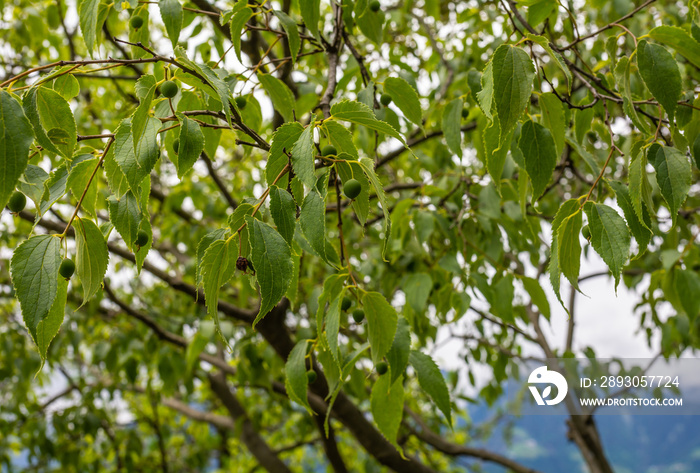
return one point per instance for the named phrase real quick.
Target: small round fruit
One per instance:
(382, 367)
(17, 202)
(385, 99)
(136, 22)
(141, 238)
(176, 145)
(241, 102)
(375, 6)
(345, 305)
(168, 89)
(465, 112)
(586, 231)
(311, 376)
(358, 315)
(67, 268)
(329, 150)
(352, 188)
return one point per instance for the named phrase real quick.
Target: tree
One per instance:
(233, 308)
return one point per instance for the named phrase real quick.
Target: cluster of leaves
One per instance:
(230, 209)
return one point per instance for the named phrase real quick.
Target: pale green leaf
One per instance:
(237, 23)
(661, 75)
(386, 404)
(382, 321)
(282, 98)
(283, 210)
(406, 98)
(432, 382)
(610, 236)
(313, 225)
(556, 57)
(553, 119)
(290, 27)
(451, 120)
(217, 267)
(91, 256)
(674, 175)
(191, 144)
(310, 12)
(87, 11)
(272, 260)
(171, 14)
(539, 150)
(295, 381)
(639, 227)
(417, 288)
(67, 86)
(678, 39)
(397, 356)
(303, 157)
(361, 114)
(283, 140)
(538, 296)
(125, 215)
(49, 326)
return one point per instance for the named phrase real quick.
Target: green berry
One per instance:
(241, 102)
(375, 6)
(329, 150)
(176, 145)
(358, 315)
(136, 22)
(385, 99)
(311, 376)
(382, 367)
(67, 268)
(586, 231)
(352, 188)
(168, 89)
(17, 202)
(141, 238)
(345, 305)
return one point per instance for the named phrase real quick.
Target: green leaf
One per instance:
(687, 285)
(237, 23)
(538, 296)
(283, 140)
(272, 260)
(87, 11)
(311, 13)
(49, 326)
(125, 215)
(513, 73)
(217, 267)
(556, 57)
(303, 157)
(386, 404)
(661, 75)
(57, 119)
(54, 188)
(397, 356)
(147, 150)
(191, 145)
(417, 288)
(639, 228)
(432, 382)
(282, 98)
(29, 103)
(678, 39)
(295, 380)
(78, 177)
(352, 170)
(368, 166)
(341, 138)
(640, 188)
(31, 183)
(568, 209)
(125, 156)
(674, 175)
(283, 210)
(554, 119)
(495, 154)
(290, 26)
(451, 120)
(313, 225)
(370, 23)
(569, 246)
(382, 321)
(539, 150)
(361, 114)
(202, 247)
(622, 77)
(34, 270)
(333, 326)
(609, 236)
(145, 90)
(67, 86)
(406, 98)
(485, 95)
(91, 256)
(17, 137)
(171, 13)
